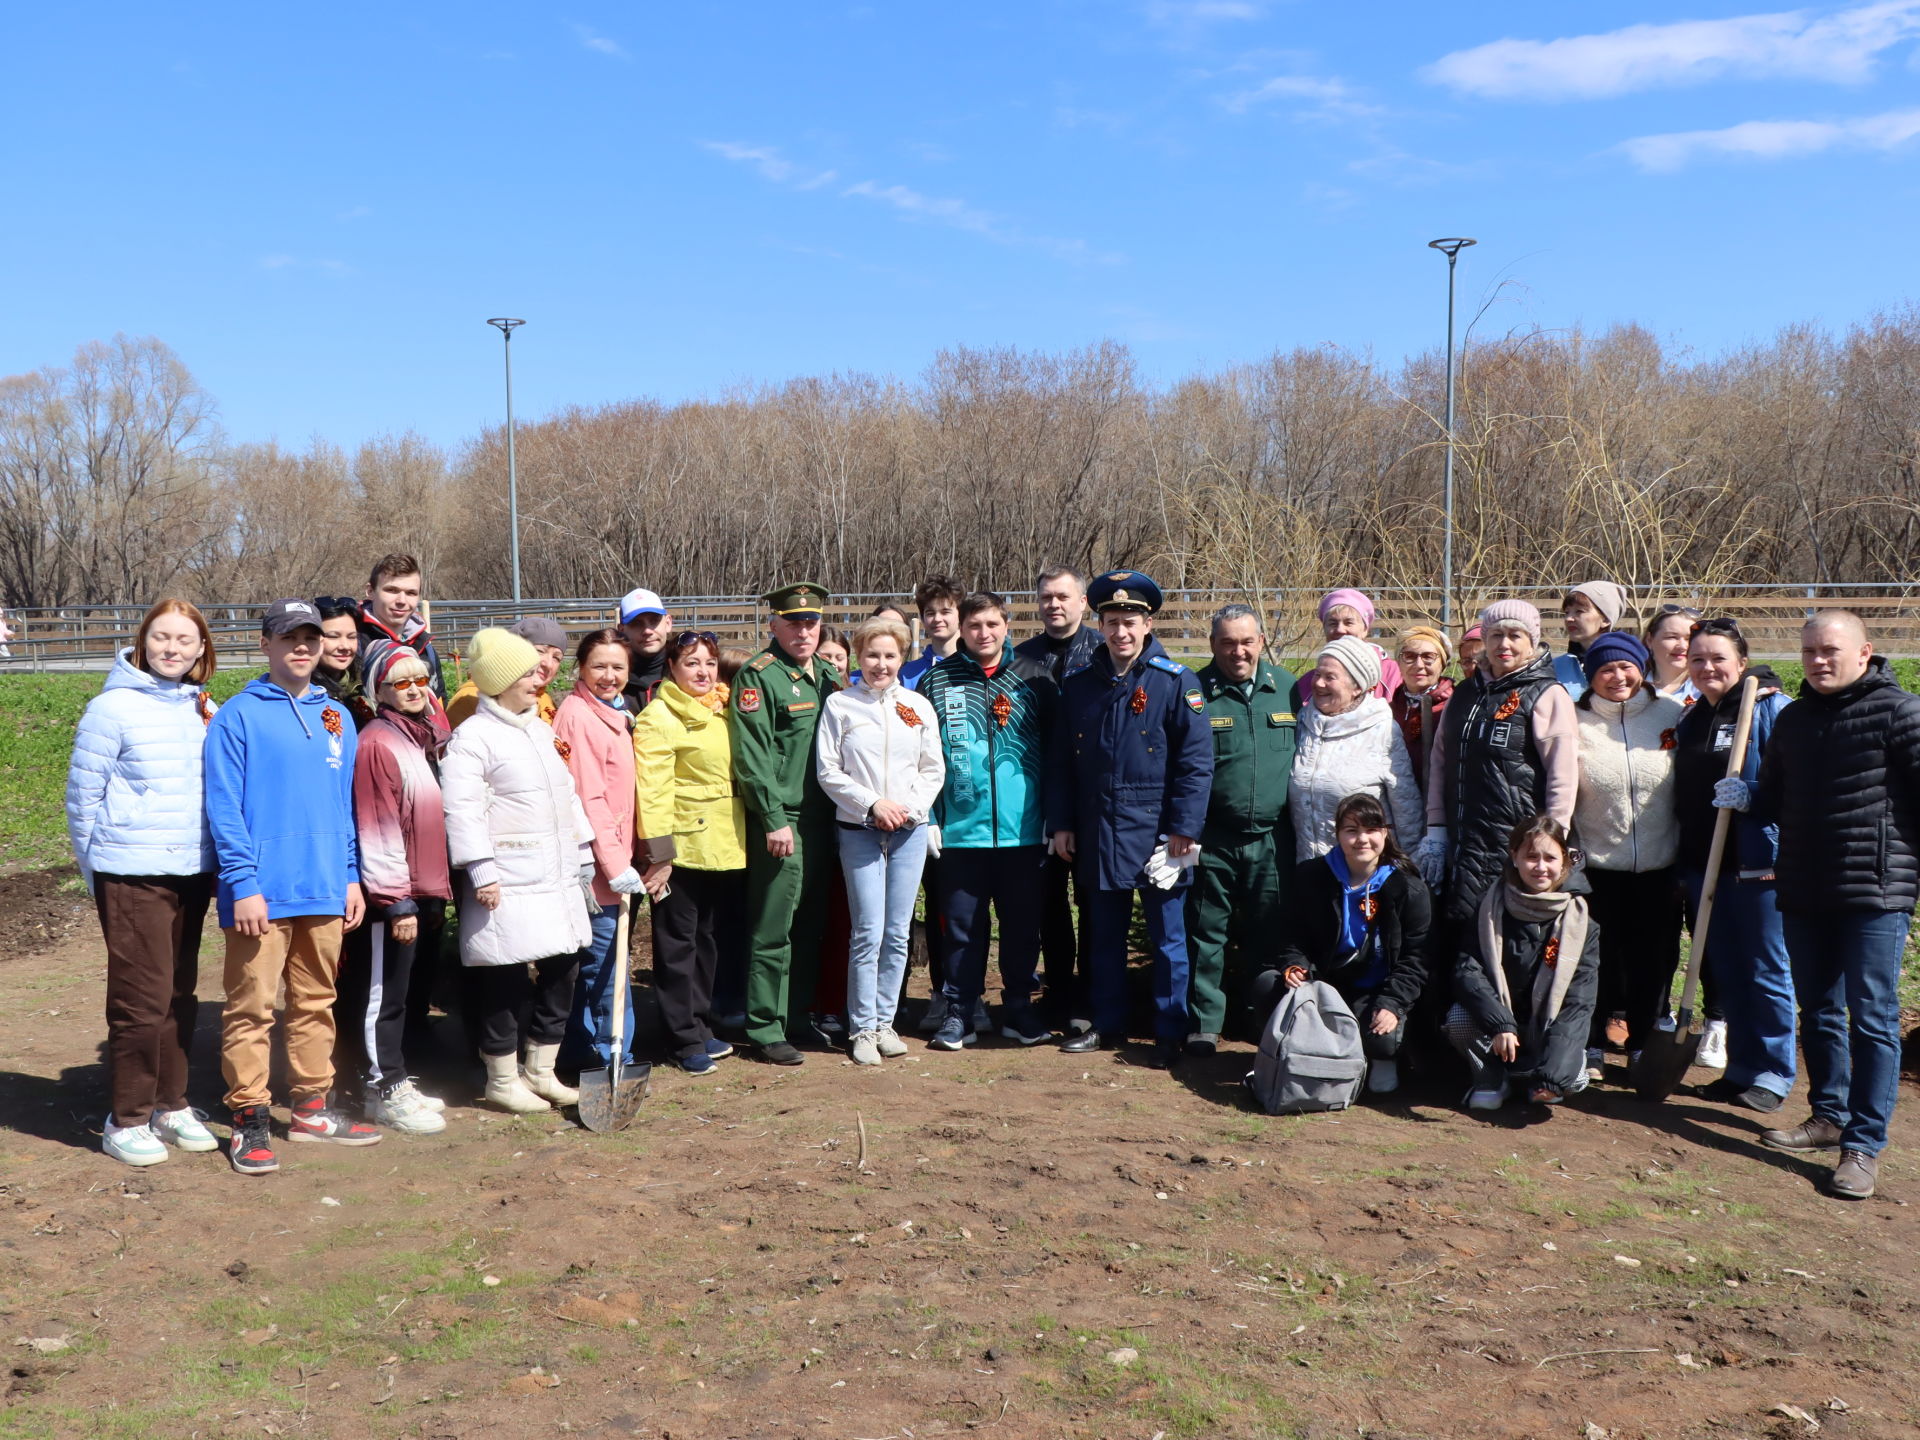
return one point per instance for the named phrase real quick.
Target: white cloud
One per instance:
(1774, 140)
(600, 44)
(911, 204)
(1321, 97)
(1838, 46)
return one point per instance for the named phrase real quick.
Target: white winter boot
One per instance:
(505, 1089)
(540, 1077)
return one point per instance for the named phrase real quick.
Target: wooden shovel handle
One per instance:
(1716, 853)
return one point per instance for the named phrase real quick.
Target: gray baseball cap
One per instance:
(283, 617)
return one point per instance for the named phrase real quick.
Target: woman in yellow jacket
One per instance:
(693, 832)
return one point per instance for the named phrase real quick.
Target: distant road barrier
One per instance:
(88, 637)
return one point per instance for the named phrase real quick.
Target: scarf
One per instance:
(519, 722)
(1566, 943)
(428, 729)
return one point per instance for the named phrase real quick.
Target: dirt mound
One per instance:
(41, 908)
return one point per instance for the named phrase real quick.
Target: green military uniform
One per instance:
(776, 705)
(1246, 850)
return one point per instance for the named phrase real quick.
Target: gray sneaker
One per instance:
(890, 1045)
(1816, 1134)
(1854, 1177)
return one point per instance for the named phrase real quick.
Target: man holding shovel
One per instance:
(1842, 779)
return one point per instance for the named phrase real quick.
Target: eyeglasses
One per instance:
(684, 638)
(402, 686)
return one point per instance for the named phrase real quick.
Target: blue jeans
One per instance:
(883, 878)
(1108, 912)
(1011, 880)
(1846, 968)
(1753, 980)
(590, 1024)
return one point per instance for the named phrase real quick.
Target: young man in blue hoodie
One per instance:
(279, 785)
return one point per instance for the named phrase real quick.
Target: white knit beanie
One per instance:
(1357, 658)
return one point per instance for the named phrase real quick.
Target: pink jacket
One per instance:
(598, 748)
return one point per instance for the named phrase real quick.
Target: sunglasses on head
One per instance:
(684, 638)
(1720, 625)
(324, 603)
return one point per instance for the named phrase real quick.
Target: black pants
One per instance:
(937, 937)
(969, 883)
(524, 1003)
(687, 930)
(152, 929)
(1639, 916)
(373, 996)
(1063, 944)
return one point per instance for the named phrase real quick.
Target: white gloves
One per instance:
(1164, 871)
(1430, 857)
(627, 882)
(933, 842)
(1732, 793)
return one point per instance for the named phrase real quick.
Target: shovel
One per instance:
(1669, 1052)
(610, 1098)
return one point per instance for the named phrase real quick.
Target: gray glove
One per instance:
(627, 882)
(1430, 857)
(1732, 793)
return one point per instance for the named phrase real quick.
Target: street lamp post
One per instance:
(1450, 248)
(506, 328)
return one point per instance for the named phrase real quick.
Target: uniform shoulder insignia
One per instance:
(1161, 662)
(761, 661)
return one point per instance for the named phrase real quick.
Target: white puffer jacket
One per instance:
(513, 819)
(136, 803)
(1624, 814)
(1359, 750)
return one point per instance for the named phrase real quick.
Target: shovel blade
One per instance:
(607, 1103)
(1663, 1063)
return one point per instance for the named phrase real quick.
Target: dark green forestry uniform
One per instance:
(775, 711)
(1246, 854)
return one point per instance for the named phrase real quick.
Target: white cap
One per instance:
(640, 602)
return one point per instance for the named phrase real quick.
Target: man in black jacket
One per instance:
(1842, 778)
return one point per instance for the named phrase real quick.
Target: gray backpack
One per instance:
(1310, 1056)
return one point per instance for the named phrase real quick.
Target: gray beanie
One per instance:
(1358, 658)
(540, 630)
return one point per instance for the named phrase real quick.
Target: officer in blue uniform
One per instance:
(1128, 779)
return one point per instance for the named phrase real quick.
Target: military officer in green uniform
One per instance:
(1246, 849)
(792, 857)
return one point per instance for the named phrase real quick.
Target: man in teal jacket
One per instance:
(1246, 849)
(995, 712)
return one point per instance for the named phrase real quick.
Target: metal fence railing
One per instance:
(88, 637)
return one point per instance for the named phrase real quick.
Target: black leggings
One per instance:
(1639, 917)
(517, 1002)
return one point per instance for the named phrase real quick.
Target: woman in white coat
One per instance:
(515, 825)
(136, 812)
(1349, 744)
(879, 760)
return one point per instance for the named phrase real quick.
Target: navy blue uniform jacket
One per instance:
(1122, 780)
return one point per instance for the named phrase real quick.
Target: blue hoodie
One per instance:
(280, 801)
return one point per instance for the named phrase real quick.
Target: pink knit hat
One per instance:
(1512, 612)
(1353, 599)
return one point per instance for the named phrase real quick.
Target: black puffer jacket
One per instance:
(1495, 776)
(1841, 775)
(1316, 909)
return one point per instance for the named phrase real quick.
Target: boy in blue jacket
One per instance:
(279, 785)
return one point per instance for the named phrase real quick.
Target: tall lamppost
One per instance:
(1450, 248)
(506, 328)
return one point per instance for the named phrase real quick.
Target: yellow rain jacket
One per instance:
(683, 771)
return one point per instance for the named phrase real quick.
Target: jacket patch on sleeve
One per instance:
(749, 700)
(1195, 702)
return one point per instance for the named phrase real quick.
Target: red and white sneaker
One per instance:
(313, 1121)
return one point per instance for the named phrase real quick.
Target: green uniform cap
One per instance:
(798, 597)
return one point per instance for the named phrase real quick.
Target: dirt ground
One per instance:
(1039, 1245)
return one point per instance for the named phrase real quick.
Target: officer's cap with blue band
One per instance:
(1125, 590)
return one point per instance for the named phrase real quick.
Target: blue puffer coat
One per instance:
(135, 803)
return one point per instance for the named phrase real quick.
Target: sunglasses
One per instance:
(324, 603)
(418, 683)
(1720, 625)
(684, 638)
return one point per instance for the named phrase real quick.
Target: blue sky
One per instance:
(318, 207)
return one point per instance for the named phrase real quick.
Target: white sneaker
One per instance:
(888, 1043)
(1488, 1099)
(1383, 1077)
(432, 1102)
(865, 1049)
(183, 1129)
(936, 1015)
(132, 1144)
(1713, 1046)
(403, 1109)
(1596, 1064)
